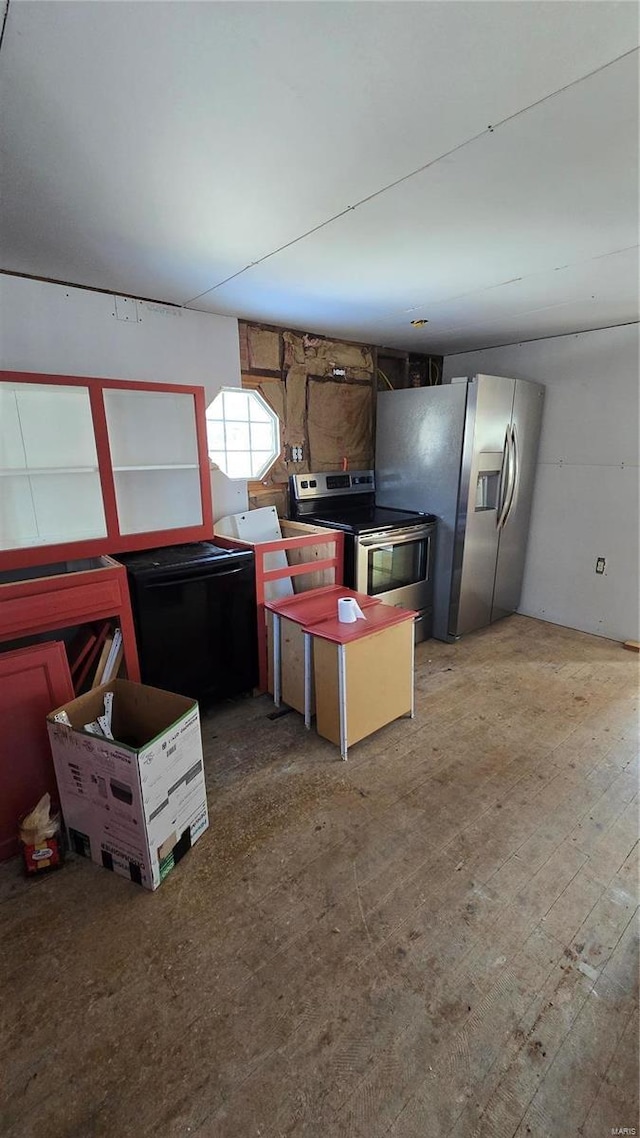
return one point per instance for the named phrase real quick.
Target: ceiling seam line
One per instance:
(433, 305)
(273, 252)
(330, 220)
(453, 329)
(89, 288)
(535, 339)
(490, 129)
(4, 22)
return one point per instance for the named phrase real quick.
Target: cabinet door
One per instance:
(154, 452)
(50, 491)
(33, 682)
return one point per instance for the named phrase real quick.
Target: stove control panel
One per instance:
(327, 484)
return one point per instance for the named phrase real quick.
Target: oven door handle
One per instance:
(378, 542)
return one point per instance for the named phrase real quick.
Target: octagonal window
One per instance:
(243, 433)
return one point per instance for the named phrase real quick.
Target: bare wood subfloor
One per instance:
(437, 938)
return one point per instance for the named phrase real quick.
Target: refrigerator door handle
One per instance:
(515, 473)
(505, 477)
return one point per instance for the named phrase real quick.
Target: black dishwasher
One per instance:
(194, 608)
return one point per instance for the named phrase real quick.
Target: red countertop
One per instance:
(318, 604)
(378, 617)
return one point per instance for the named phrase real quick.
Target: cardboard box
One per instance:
(135, 804)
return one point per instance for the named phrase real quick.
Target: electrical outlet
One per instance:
(600, 565)
(297, 453)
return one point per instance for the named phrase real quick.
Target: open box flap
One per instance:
(140, 712)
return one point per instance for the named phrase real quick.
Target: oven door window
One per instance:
(392, 566)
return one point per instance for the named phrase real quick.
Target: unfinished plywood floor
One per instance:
(436, 938)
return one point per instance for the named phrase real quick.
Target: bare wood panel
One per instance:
(299, 529)
(292, 669)
(263, 349)
(291, 663)
(268, 496)
(325, 661)
(313, 553)
(378, 680)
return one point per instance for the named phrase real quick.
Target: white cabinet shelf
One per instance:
(16, 472)
(166, 466)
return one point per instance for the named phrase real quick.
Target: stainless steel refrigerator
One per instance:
(465, 451)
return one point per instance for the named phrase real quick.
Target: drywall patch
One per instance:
(125, 308)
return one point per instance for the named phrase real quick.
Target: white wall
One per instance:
(586, 495)
(72, 331)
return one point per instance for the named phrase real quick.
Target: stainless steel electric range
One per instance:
(388, 552)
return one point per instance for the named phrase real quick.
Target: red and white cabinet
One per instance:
(90, 466)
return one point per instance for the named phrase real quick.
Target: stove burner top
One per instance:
(362, 519)
(347, 501)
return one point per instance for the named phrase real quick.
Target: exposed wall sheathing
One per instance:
(260, 348)
(330, 416)
(339, 424)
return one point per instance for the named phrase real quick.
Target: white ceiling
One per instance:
(161, 149)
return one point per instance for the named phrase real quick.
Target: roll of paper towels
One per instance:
(349, 611)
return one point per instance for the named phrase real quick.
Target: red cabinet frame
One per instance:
(63, 600)
(114, 542)
(334, 562)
